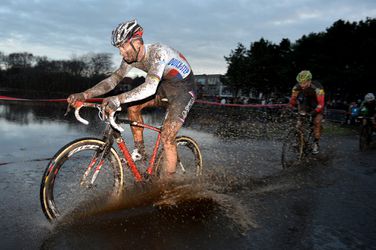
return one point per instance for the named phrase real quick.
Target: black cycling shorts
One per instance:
(177, 96)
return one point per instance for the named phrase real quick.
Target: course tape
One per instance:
(242, 105)
(7, 98)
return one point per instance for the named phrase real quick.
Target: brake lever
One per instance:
(69, 108)
(78, 117)
(111, 119)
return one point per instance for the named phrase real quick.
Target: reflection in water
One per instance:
(25, 123)
(223, 123)
(52, 114)
(27, 112)
(24, 113)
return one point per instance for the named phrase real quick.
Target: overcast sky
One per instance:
(203, 30)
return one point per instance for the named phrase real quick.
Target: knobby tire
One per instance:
(364, 138)
(293, 149)
(189, 158)
(61, 190)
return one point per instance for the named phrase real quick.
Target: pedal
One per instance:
(136, 156)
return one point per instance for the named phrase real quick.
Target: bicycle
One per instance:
(298, 142)
(366, 130)
(88, 166)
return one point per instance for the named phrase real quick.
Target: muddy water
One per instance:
(184, 214)
(243, 201)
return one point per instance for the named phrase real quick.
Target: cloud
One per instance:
(204, 31)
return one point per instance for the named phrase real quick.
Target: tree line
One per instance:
(24, 71)
(342, 58)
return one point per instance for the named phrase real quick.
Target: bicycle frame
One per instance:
(111, 133)
(131, 163)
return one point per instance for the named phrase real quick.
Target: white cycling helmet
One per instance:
(369, 97)
(125, 31)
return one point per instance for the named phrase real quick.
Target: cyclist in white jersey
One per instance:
(169, 83)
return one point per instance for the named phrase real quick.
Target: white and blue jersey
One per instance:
(164, 62)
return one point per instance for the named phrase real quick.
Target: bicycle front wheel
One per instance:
(78, 174)
(189, 164)
(292, 149)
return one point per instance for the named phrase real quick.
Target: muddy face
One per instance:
(128, 52)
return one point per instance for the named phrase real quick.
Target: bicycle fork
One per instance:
(84, 181)
(301, 140)
(301, 145)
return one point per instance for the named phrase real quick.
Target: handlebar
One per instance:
(110, 118)
(296, 112)
(365, 117)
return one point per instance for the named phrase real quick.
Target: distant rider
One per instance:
(368, 107)
(309, 95)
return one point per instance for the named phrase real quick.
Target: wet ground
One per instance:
(245, 201)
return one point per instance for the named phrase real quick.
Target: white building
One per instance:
(211, 86)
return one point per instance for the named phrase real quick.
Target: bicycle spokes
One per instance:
(180, 164)
(189, 161)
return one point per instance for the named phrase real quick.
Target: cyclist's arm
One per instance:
(294, 96)
(109, 83)
(320, 96)
(148, 88)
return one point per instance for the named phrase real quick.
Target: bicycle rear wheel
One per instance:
(189, 163)
(70, 181)
(292, 149)
(364, 138)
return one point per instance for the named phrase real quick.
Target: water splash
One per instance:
(228, 205)
(183, 200)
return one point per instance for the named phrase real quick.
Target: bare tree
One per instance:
(2, 61)
(20, 60)
(97, 64)
(101, 63)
